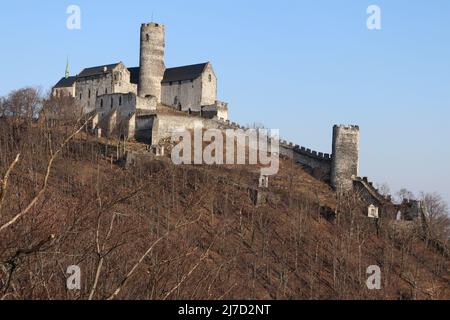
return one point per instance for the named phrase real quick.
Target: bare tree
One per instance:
(384, 189)
(437, 215)
(61, 109)
(23, 103)
(405, 194)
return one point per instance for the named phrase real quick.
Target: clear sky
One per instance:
(300, 66)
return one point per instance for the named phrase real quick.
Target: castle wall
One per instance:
(209, 86)
(191, 94)
(124, 107)
(121, 80)
(183, 95)
(143, 129)
(125, 104)
(316, 163)
(64, 91)
(218, 110)
(88, 89)
(165, 124)
(345, 165)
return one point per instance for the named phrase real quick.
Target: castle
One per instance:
(148, 102)
(125, 100)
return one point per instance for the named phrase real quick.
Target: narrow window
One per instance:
(80, 96)
(101, 103)
(106, 91)
(89, 94)
(112, 102)
(210, 78)
(148, 37)
(120, 100)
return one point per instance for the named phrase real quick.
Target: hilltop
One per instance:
(154, 230)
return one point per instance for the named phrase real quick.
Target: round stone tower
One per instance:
(345, 164)
(151, 64)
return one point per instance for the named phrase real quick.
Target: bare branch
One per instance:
(47, 175)
(4, 181)
(150, 249)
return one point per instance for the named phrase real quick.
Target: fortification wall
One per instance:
(88, 89)
(165, 124)
(318, 163)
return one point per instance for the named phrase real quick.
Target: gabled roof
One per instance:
(95, 71)
(190, 72)
(183, 73)
(66, 82)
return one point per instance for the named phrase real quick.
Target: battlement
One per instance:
(316, 155)
(305, 151)
(152, 25)
(347, 127)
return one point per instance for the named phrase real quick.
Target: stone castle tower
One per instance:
(345, 163)
(151, 64)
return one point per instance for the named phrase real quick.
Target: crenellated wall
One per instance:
(317, 163)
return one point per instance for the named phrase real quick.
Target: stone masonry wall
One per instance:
(151, 64)
(345, 165)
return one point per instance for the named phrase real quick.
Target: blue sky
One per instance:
(300, 66)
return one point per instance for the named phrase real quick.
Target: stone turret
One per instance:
(152, 65)
(345, 163)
